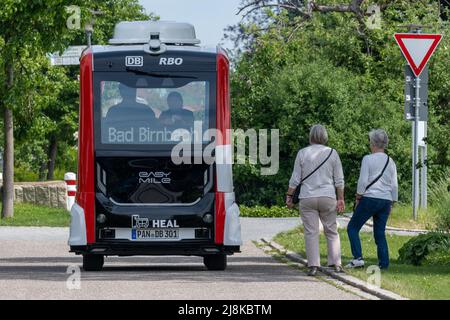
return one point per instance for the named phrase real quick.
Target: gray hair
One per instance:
(378, 138)
(318, 134)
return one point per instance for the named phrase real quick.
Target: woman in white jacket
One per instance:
(377, 191)
(318, 197)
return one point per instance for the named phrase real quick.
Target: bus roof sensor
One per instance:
(142, 32)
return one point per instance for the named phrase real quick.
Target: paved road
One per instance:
(34, 262)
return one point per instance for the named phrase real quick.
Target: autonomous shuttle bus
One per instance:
(154, 120)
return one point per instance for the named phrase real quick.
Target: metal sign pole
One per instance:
(413, 134)
(416, 151)
(417, 49)
(424, 173)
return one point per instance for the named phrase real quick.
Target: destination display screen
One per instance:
(152, 109)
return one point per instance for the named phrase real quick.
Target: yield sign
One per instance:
(417, 48)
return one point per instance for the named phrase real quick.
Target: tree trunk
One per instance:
(8, 165)
(43, 170)
(53, 148)
(8, 153)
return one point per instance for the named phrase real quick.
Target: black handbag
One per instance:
(375, 180)
(296, 194)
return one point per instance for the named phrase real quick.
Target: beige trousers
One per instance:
(311, 210)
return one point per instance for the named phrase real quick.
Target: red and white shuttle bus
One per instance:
(133, 196)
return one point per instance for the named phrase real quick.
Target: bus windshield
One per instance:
(138, 109)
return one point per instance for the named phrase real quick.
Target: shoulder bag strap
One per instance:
(323, 162)
(380, 175)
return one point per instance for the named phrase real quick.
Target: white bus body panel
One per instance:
(232, 232)
(224, 169)
(77, 236)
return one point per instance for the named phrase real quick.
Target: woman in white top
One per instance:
(318, 197)
(377, 191)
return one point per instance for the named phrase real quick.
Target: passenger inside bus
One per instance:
(129, 112)
(176, 116)
(124, 120)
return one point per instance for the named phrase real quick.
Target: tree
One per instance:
(51, 114)
(260, 16)
(28, 29)
(300, 71)
(45, 133)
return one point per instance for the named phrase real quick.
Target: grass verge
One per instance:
(30, 215)
(423, 282)
(401, 217)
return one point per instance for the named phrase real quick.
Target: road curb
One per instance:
(345, 278)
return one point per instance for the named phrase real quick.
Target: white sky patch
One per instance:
(210, 17)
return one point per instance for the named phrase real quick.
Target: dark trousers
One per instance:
(367, 208)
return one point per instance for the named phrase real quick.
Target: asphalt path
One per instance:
(35, 264)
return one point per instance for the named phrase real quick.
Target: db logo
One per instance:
(134, 61)
(170, 61)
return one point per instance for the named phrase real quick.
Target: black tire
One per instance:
(215, 262)
(93, 262)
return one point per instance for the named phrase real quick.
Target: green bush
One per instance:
(66, 161)
(417, 249)
(443, 213)
(22, 174)
(440, 199)
(439, 188)
(329, 74)
(440, 258)
(265, 212)
(253, 189)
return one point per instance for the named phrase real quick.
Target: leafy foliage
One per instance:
(443, 211)
(45, 98)
(440, 199)
(264, 212)
(416, 250)
(438, 258)
(323, 71)
(28, 30)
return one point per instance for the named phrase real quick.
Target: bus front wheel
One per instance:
(215, 262)
(93, 262)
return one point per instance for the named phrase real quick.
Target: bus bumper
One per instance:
(161, 249)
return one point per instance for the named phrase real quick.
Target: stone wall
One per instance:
(50, 194)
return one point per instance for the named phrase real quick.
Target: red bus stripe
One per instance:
(86, 196)
(220, 217)
(223, 123)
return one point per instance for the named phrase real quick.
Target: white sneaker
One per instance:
(355, 263)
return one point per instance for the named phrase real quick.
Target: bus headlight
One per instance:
(101, 218)
(208, 218)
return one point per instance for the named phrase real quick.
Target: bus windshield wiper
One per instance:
(157, 75)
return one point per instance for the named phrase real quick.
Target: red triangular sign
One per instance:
(417, 48)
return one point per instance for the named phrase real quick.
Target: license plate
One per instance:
(155, 234)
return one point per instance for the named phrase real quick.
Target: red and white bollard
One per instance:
(71, 182)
